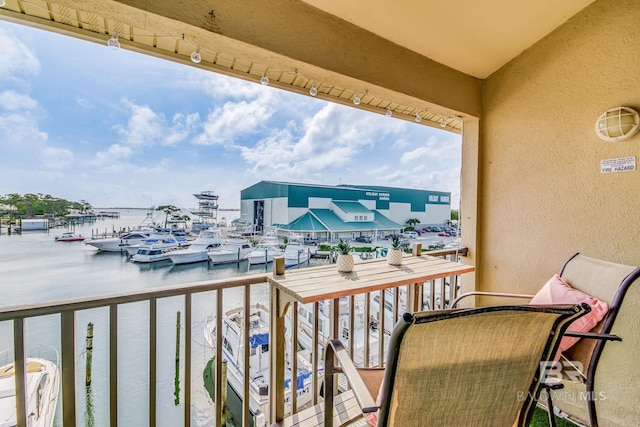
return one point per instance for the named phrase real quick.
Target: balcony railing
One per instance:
(358, 313)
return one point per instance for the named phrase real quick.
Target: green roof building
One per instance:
(343, 211)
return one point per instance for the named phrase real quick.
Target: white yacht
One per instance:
(267, 248)
(119, 243)
(295, 252)
(43, 387)
(233, 351)
(198, 250)
(233, 250)
(159, 241)
(157, 248)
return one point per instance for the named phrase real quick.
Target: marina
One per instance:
(36, 268)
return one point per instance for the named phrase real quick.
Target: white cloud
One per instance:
(19, 132)
(83, 103)
(226, 124)
(17, 60)
(13, 101)
(334, 138)
(183, 126)
(57, 158)
(219, 86)
(146, 128)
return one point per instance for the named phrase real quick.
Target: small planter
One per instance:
(394, 256)
(344, 263)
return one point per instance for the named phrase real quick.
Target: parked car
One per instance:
(363, 239)
(405, 243)
(436, 245)
(310, 241)
(410, 234)
(444, 234)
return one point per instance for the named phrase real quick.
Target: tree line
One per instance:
(30, 205)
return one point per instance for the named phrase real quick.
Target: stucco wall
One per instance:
(542, 196)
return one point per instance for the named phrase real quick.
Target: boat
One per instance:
(159, 241)
(206, 195)
(198, 250)
(152, 253)
(119, 243)
(295, 252)
(42, 387)
(267, 248)
(157, 248)
(69, 237)
(233, 250)
(360, 327)
(233, 352)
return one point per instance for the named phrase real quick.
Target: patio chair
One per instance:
(597, 385)
(465, 367)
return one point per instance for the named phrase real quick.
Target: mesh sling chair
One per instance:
(597, 385)
(465, 367)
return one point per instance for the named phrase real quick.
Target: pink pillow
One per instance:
(557, 291)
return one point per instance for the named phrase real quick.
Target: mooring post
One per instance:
(223, 380)
(89, 346)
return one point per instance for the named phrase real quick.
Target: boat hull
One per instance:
(117, 244)
(226, 257)
(43, 387)
(295, 259)
(188, 257)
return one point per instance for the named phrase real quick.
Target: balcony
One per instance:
(356, 317)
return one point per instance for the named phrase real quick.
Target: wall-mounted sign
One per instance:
(622, 164)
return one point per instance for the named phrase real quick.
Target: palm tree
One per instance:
(413, 221)
(168, 210)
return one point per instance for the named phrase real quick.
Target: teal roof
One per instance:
(306, 222)
(351, 207)
(320, 220)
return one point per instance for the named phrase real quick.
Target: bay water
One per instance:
(34, 268)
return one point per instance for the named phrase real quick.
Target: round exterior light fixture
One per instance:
(618, 124)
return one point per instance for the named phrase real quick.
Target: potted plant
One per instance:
(345, 259)
(394, 254)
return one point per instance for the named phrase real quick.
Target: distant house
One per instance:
(343, 211)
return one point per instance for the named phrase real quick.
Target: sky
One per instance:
(81, 121)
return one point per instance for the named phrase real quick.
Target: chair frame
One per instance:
(602, 337)
(336, 351)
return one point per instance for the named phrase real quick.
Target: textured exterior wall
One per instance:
(541, 194)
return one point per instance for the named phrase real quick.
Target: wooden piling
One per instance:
(89, 347)
(223, 419)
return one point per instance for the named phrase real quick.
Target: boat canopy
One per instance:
(299, 380)
(259, 339)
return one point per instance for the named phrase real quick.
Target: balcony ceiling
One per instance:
(284, 39)
(476, 37)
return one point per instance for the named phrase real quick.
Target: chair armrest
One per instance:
(489, 294)
(346, 366)
(593, 336)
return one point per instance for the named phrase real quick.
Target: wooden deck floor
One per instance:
(347, 412)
